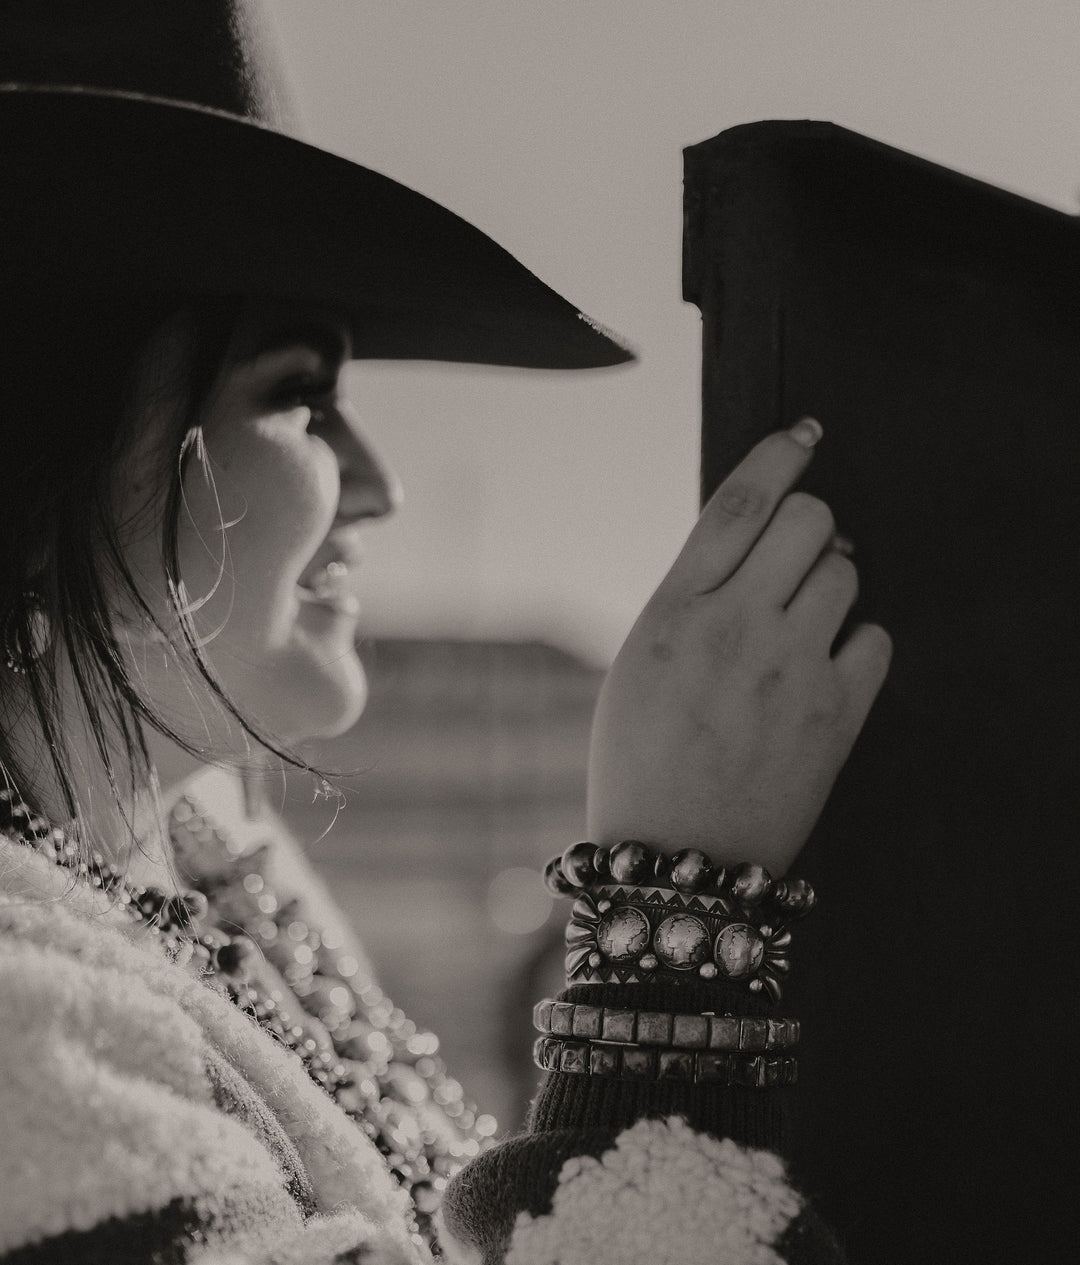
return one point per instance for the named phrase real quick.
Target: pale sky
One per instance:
(544, 504)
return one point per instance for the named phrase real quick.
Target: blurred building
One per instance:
(466, 772)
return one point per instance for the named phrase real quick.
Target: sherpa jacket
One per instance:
(145, 1119)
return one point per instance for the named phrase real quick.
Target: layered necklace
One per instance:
(317, 998)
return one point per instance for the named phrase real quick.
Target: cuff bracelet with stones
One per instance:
(641, 915)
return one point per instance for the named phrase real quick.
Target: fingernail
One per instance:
(806, 431)
(843, 545)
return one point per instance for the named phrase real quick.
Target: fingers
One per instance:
(741, 507)
(862, 663)
(825, 597)
(795, 538)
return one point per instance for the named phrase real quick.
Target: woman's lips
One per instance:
(331, 586)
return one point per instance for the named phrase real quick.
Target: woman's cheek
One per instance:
(293, 482)
(292, 500)
(326, 479)
(279, 493)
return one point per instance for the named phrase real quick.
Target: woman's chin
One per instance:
(317, 697)
(336, 721)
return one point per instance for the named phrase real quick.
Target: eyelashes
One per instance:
(303, 388)
(317, 395)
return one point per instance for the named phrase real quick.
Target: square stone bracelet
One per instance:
(656, 1028)
(640, 1063)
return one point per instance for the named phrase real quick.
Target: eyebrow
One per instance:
(326, 339)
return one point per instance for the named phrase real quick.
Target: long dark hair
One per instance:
(68, 416)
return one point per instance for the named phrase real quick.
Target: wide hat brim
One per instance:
(111, 195)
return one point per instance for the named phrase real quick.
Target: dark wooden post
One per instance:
(932, 323)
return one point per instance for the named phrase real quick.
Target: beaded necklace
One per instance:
(351, 1039)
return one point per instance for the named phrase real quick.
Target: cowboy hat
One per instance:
(144, 150)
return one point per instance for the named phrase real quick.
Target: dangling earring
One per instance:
(17, 657)
(12, 657)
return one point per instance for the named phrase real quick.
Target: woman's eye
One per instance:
(305, 392)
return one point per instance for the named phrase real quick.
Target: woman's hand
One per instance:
(725, 719)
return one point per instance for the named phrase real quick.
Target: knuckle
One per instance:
(769, 681)
(740, 498)
(725, 639)
(661, 651)
(826, 712)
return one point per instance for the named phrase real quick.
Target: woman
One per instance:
(179, 558)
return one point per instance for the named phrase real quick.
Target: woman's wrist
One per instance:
(751, 1108)
(628, 1042)
(630, 1038)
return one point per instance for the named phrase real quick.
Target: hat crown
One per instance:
(213, 54)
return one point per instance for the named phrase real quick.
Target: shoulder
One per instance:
(141, 1110)
(108, 1109)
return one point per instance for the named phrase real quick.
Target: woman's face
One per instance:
(269, 532)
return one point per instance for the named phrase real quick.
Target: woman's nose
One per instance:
(369, 489)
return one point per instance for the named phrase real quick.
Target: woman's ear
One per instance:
(26, 634)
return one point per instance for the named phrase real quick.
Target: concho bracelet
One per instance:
(640, 914)
(635, 1062)
(732, 1034)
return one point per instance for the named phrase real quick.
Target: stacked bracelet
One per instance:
(641, 915)
(656, 1045)
(732, 1034)
(635, 1062)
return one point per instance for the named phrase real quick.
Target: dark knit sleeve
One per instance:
(753, 1117)
(642, 1170)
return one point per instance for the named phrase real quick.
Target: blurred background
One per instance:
(542, 508)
